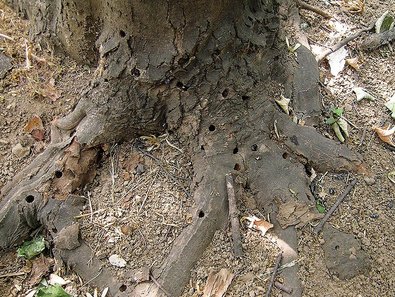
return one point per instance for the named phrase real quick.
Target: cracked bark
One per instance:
(206, 70)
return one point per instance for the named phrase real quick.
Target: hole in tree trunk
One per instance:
(201, 214)
(123, 288)
(122, 33)
(211, 128)
(29, 198)
(135, 72)
(285, 155)
(235, 150)
(254, 147)
(225, 93)
(202, 147)
(58, 174)
(245, 97)
(237, 167)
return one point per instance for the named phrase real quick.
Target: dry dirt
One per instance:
(139, 202)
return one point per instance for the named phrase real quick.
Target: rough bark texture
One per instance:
(203, 69)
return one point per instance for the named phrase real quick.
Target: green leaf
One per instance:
(384, 23)
(52, 291)
(337, 112)
(30, 249)
(338, 132)
(343, 126)
(330, 121)
(320, 206)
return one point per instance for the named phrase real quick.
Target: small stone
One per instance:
(20, 151)
(117, 261)
(369, 181)
(140, 169)
(348, 107)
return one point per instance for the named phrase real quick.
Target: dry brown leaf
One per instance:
(354, 6)
(353, 62)
(35, 127)
(40, 268)
(218, 283)
(295, 213)
(259, 224)
(385, 134)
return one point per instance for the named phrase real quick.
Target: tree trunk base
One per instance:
(231, 123)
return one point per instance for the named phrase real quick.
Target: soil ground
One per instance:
(139, 202)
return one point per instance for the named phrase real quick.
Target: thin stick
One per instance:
(274, 274)
(6, 37)
(234, 216)
(159, 285)
(342, 43)
(90, 205)
(303, 5)
(12, 274)
(283, 287)
(339, 200)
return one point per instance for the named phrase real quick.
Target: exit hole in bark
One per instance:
(211, 128)
(29, 198)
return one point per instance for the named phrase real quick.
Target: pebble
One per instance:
(369, 181)
(117, 261)
(20, 151)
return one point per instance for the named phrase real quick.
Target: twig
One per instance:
(274, 274)
(234, 216)
(88, 214)
(158, 284)
(6, 37)
(303, 5)
(342, 43)
(339, 200)
(283, 287)
(90, 205)
(113, 169)
(12, 274)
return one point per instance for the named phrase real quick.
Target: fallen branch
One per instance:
(304, 5)
(339, 200)
(234, 216)
(342, 43)
(376, 40)
(283, 287)
(274, 273)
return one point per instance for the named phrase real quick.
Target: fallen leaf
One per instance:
(40, 268)
(391, 106)
(385, 134)
(353, 62)
(337, 60)
(354, 6)
(283, 103)
(35, 127)
(384, 23)
(218, 283)
(30, 249)
(55, 279)
(259, 224)
(52, 291)
(362, 94)
(296, 213)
